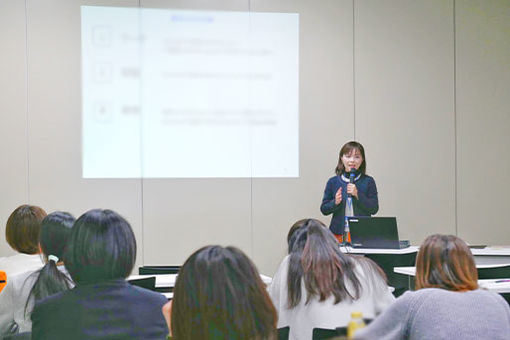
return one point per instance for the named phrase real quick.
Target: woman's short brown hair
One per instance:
(346, 150)
(22, 229)
(445, 261)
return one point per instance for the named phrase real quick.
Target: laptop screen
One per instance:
(374, 232)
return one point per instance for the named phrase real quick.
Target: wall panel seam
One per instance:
(455, 117)
(354, 68)
(27, 138)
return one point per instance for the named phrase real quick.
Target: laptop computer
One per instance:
(375, 232)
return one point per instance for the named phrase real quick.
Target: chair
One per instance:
(19, 336)
(153, 270)
(338, 333)
(146, 282)
(324, 333)
(283, 333)
(506, 296)
(494, 272)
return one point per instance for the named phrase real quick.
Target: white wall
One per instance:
(404, 81)
(422, 84)
(483, 120)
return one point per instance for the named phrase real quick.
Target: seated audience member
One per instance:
(317, 286)
(219, 295)
(17, 299)
(103, 305)
(447, 303)
(22, 234)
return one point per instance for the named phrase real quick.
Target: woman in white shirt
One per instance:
(22, 233)
(22, 290)
(317, 286)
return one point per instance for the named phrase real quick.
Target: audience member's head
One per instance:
(54, 237)
(219, 295)
(102, 247)
(22, 229)
(445, 261)
(316, 259)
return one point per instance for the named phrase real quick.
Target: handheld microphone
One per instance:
(352, 176)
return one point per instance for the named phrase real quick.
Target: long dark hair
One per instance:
(346, 150)
(316, 259)
(219, 295)
(53, 238)
(102, 247)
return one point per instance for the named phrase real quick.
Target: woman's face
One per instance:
(352, 160)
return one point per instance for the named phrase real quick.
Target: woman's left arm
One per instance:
(7, 306)
(368, 199)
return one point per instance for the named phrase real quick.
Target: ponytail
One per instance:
(53, 239)
(50, 280)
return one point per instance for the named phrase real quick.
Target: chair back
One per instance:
(283, 333)
(154, 270)
(324, 333)
(19, 336)
(146, 282)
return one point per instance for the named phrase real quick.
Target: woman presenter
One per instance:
(351, 192)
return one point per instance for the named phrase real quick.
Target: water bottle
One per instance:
(355, 324)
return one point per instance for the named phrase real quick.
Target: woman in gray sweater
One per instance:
(447, 303)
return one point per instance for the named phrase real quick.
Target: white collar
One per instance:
(347, 180)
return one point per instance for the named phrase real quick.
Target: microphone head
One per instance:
(352, 175)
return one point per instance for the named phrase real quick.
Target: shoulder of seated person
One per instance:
(49, 302)
(428, 293)
(147, 292)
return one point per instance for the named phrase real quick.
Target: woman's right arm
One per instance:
(391, 324)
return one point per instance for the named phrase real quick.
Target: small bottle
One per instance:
(355, 324)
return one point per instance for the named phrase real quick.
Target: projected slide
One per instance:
(189, 94)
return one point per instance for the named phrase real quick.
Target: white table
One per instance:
(501, 286)
(168, 295)
(391, 259)
(492, 255)
(362, 251)
(487, 255)
(168, 281)
(496, 285)
(411, 271)
(388, 259)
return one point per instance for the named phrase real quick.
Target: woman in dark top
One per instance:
(103, 305)
(339, 190)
